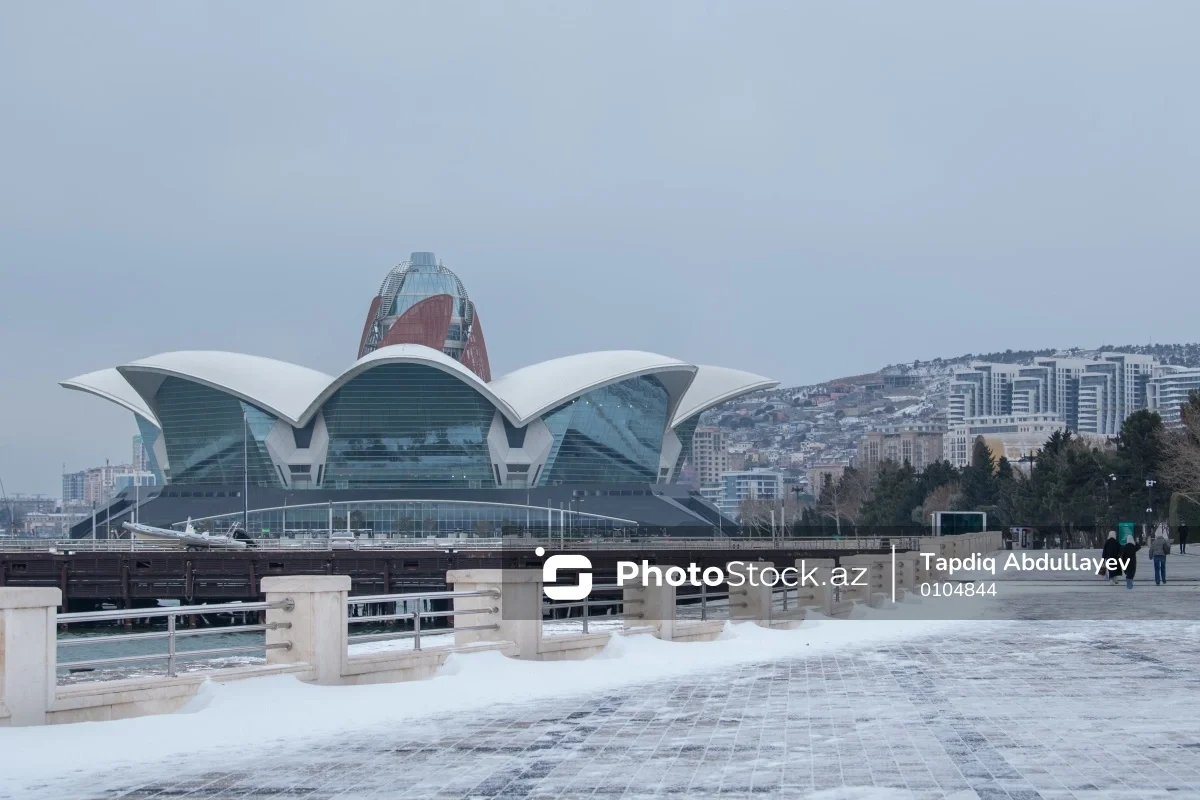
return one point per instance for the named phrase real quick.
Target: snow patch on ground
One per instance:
(267, 712)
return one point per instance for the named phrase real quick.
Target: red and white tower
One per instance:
(422, 302)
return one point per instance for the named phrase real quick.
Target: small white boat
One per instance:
(188, 537)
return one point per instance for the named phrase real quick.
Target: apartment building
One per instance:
(756, 484)
(1091, 395)
(920, 444)
(709, 457)
(1168, 389)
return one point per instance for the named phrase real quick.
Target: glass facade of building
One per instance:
(209, 434)
(406, 425)
(609, 435)
(422, 282)
(150, 436)
(686, 431)
(402, 519)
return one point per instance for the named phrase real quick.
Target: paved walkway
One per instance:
(1001, 709)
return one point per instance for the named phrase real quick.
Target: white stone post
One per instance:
(820, 595)
(751, 602)
(28, 654)
(516, 613)
(876, 579)
(650, 606)
(318, 623)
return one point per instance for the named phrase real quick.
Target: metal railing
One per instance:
(364, 542)
(417, 614)
(713, 543)
(785, 599)
(172, 634)
(704, 597)
(66, 546)
(588, 603)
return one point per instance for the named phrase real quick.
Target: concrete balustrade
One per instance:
(751, 602)
(938, 547)
(877, 578)
(506, 616)
(957, 546)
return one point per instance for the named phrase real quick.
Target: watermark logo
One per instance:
(550, 576)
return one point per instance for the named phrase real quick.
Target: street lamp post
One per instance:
(1149, 504)
(1030, 459)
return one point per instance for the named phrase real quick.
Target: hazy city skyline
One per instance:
(802, 191)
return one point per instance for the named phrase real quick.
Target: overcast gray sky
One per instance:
(805, 190)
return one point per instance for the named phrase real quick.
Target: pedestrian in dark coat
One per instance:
(1129, 555)
(1182, 532)
(1112, 549)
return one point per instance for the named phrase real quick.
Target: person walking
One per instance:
(1112, 549)
(1182, 532)
(1129, 556)
(1158, 554)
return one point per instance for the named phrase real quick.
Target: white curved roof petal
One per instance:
(294, 393)
(533, 390)
(282, 388)
(408, 354)
(713, 386)
(111, 385)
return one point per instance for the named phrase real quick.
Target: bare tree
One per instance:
(940, 498)
(842, 500)
(1181, 452)
(766, 517)
(755, 515)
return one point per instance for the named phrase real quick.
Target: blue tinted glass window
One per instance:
(208, 439)
(408, 425)
(150, 436)
(611, 434)
(685, 430)
(420, 284)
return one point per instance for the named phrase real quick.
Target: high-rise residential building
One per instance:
(73, 487)
(919, 444)
(1091, 395)
(101, 483)
(1133, 377)
(708, 454)
(966, 396)
(983, 389)
(141, 456)
(1031, 390)
(1168, 389)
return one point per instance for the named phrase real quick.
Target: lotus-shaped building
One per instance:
(418, 410)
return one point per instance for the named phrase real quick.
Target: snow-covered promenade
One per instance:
(889, 707)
